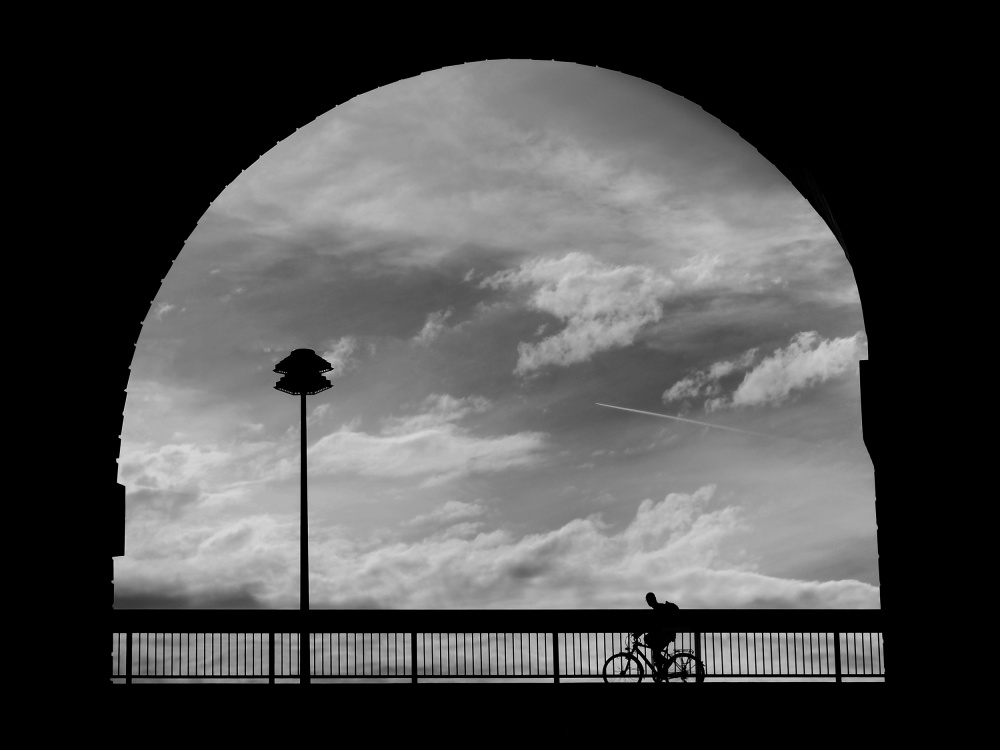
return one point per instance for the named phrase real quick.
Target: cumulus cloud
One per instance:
(340, 356)
(674, 546)
(168, 481)
(705, 382)
(450, 512)
(317, 414)
(162, 309)
(604, 306)
(171, 466)
(433, 327)
(807, 361)
(428, 445)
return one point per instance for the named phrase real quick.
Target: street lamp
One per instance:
(303, 376)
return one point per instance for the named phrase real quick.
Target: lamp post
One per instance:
(302, 371)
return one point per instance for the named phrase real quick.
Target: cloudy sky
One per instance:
(484, 253)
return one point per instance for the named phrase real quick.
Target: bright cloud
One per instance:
(807, 361)
(451, 512)
(674, 547)
(433, 327)
(426, 445)
(340, 356)
(604, 306)
(162, 309)
(704, 382)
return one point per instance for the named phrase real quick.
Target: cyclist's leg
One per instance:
(659, 661)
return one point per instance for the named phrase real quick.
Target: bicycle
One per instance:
(680, 666)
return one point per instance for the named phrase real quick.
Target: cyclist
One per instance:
(663, 631)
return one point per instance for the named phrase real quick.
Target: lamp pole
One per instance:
(302, 371)
(303, 520)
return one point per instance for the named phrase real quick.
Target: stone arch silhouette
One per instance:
(204, 143)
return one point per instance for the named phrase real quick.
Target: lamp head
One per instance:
(302, 370)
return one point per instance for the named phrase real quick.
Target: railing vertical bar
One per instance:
(878, 643)
(413, 657)
(788, 656)
(128, 658)
(545, 652)
(836, 655)
(555, 655)
(270, 658)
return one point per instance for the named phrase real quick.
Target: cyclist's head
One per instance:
(650, 598)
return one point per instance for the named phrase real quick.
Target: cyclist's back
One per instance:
(664, 630)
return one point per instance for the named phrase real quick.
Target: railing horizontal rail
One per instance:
(412, 645)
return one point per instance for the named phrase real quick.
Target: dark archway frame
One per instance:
(180, 140)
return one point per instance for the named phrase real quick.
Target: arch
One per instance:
(200, 143)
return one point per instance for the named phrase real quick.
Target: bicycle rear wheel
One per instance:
(685, 668)
(623, 667)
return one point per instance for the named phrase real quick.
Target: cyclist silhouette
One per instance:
(663, 631)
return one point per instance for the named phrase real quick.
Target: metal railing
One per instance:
(482, 645)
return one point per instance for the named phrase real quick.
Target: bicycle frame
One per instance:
(653, 671)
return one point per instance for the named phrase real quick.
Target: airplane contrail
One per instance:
(703, 424)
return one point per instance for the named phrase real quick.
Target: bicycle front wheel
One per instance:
(623, 667)
(685, 668)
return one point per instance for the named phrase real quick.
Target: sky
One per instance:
(484, 253)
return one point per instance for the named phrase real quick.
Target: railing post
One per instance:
(270, 658)
(555, 655)
(413, 656)
(128, 658)
(836, 654)
(697, 649)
